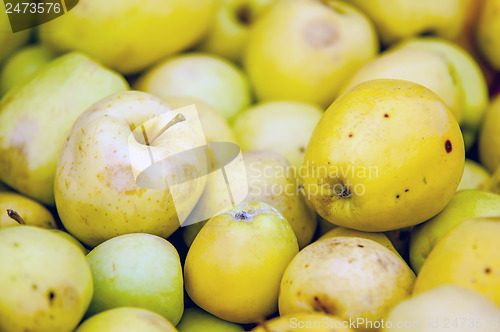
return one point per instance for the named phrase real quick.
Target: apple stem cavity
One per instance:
(340, 190)
(14, 215)
(175, 120)
(242, 216)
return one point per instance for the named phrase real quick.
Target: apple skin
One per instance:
(420, 66)
(141, 33)
(10, 41)
(32, 212)
(21, 65)
(234, 266)
(439, 306)
(304, 50)
(467, 256)
(280, 126)
(487, 32)
(228, 34)
(209, 78)
(45, 282)
(311, 322)
(97, 197)
(464, 204)
(30, 141)
(349, 277)
(489, 137)
(387, 154)
(196, 320)
(126, 319)
(469, 75)
(406, 18)
(137, 270)
(475, 176)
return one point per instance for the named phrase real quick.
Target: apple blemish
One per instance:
(447, 146)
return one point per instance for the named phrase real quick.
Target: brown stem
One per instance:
(14, 215)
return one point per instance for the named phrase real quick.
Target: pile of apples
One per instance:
(370, 138)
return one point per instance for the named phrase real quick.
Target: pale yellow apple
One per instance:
(492, 184)
(36, 115)
(464, 204)
(349, 277)
(10, 41)
(474, 176)
(488, 32)
(467, 74)
(386, 155)
(489, 137)
(215, 126)
(304, 50)
(234, 266)
(209, 78)
(45, 282)
(228, 34)
(312, 322)
(399, 19)
(445, 308)
(126, 319)
(420, 66)
(96, 189)
(467, 256)
(280, 126)
(31, 212)
(129, 36)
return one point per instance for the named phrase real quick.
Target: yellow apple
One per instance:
(474, 176)
(405, 18)
(467, 256)
(488, 31)
(280, 126)
(129, 36)
(489, 137)
(304, 50)
(386, 155)
(209, 78)
(311, 322)
(31, 212)
(350, 277)
(234, 266)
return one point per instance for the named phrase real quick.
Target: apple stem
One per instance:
(242, 216)
(341, 190)
(175, 120)
(14, 215)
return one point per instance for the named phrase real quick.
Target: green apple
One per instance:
(280, 126)
(386, 155)
(30, 140)
(137, 270)
(270, 180)
(353, 278)
(21, 65)
(468, 75)
(442, 308)
(29, 212)
(126, 319)
(206, 77)
(406, 18)
(304, 50)
(474, 176)
(304, 322)
(420, 66)
(464, 204)
(488, 31)
(10, 41)
(215, 126)
(489, 137)
(45, 282)
(234, 266)
(196, 320)
(467, 256)
(228, 34)
(101, 184)
(129, 36)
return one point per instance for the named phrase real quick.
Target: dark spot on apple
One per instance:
(487, 270)
(360, 246)
(397, 196)
(407, 190)
(328, 162)
(324, 306)
(302, 149)
(425, 181)
(51, 295)
(350, 135)
(244, 14)
(386, 115)
(447, 146)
